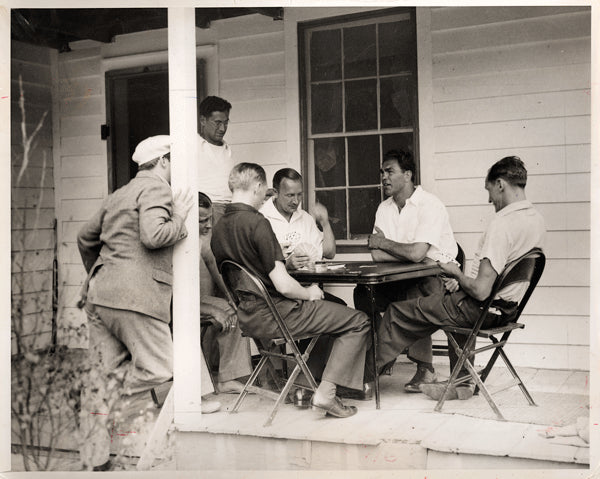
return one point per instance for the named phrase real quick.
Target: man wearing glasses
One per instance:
(214, 155)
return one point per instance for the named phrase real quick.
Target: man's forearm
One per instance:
(414, 252)
(328, 241)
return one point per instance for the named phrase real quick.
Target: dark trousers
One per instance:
(387, 293)
(406, 322)
(349, 328)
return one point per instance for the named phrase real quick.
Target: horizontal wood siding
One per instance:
(252, 78)
(83, 172)
(32, 200)
(516, 81)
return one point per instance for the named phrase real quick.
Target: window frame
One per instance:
(307, 160)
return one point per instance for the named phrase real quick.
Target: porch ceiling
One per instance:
(56, 27)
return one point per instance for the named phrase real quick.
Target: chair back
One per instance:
(526, 269)
(239, 281)
(460, 257)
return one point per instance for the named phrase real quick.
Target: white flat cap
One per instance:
(151, 148)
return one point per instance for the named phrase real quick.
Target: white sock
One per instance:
(325, 392)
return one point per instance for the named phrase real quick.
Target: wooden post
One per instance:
(186, 281)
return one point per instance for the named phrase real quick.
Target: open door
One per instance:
(137, 106)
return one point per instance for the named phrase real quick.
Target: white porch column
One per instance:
(186, 282)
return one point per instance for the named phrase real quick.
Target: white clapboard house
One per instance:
(326, 91)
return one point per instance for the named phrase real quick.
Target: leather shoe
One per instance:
(422, 376)
(334, 408)
(366, 394)
(107, 466)
(435, 391)
(387, 368)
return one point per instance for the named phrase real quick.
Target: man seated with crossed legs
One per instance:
(516, 228)
(246, 237)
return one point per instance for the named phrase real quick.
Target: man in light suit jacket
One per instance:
(127, 251)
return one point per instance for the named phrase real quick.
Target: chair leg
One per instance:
(210, 373)
(283, 395)
(517, 377)
(484, 390)
(462, 359)
(488, 367)
(301, 362)
(250, 382)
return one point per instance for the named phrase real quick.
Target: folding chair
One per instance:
(528, 268)
(240, 282)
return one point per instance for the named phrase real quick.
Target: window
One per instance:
(359, 94)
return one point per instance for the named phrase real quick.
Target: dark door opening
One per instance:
(137, 107)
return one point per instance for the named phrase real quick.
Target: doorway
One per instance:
(137, 106)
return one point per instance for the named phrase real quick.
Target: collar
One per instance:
(416, 196)
(270, 210)
(151, 174)
(202, 141)
(413, 199)
(233, 207)
(516, 206)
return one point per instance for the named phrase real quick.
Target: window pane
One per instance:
(363, 205)
(363, 160)
(361, 105)
(335, 202)
(326, 55)
(326, 108)
(330, 167)
(396, 47)
(397, 141)
(359, 52)
(396, 102)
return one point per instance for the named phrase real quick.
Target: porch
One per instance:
(405, 434)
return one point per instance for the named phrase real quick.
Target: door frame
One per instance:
(207, 53)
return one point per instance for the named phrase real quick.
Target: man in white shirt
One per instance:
(214, 155)
(517, 228)
(302, 243)
(301, 240)
(410, 225)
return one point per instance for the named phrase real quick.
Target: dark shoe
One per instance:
(422, 376)
(387, 368)
(334, 408)
(435, 391)
(365, 395)
(107, 466)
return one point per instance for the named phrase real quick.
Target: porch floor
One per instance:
(404, 433)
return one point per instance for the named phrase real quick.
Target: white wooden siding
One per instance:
(252, 78)
(32, 201)
(82, 177)
(517, 81)
(504, 80)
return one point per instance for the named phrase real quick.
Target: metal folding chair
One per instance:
(239, 282)
(528, 268)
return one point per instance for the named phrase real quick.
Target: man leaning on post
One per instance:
(127, 251)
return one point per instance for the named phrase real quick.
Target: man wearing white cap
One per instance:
(127, 251)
